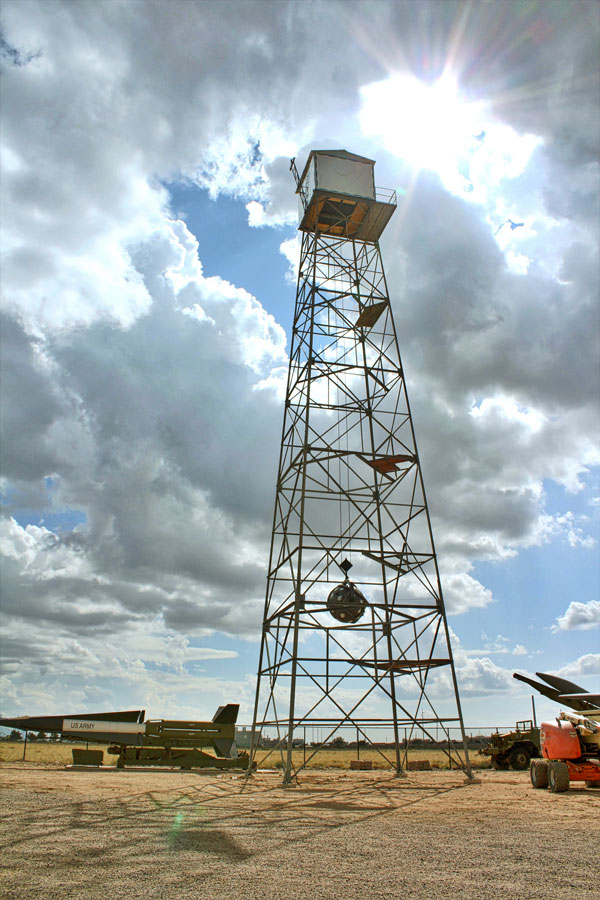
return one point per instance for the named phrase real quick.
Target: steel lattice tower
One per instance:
(373, 650)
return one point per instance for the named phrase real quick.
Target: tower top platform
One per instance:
(338, 196)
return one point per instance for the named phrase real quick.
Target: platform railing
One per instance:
(386, 195)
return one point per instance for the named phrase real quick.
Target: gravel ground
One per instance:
(70, 835)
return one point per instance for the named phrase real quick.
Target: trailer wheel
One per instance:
(519, 758)
(558, 777)
(539, 773)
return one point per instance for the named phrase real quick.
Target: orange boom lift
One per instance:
(571, 745)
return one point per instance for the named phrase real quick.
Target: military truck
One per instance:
(514, 749)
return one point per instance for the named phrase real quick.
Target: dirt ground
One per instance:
(124, 835)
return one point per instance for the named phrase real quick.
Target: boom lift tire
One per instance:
(558, 776)
(519, 758)
(539, 773)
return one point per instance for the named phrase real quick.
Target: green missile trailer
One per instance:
(176, 743)
(156, 742)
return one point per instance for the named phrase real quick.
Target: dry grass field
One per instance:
(45, 753)
(73, 834)
(340, 759)
(41, 752)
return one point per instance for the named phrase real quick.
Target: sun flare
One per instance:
(428, 125)
(432, 126)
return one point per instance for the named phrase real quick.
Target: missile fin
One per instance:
(227, 715)
(579, 700)
(552, 693)
(225, 747)
(593, 699)
(561, 684)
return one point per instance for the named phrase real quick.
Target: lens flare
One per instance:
(431, 126)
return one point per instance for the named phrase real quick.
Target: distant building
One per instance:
(243, 737)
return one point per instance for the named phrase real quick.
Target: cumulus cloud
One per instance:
(481, 676)
(463, 592)
(500, 645)
(477, 674)
(579, 617)
(588, 664)
(141, 399)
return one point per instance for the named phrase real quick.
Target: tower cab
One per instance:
(338, 197)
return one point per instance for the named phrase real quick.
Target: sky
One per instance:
(148, 279)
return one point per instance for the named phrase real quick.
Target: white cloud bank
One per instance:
(579, 617)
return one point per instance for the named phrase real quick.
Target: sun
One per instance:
(428, 125)
(432, 126)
